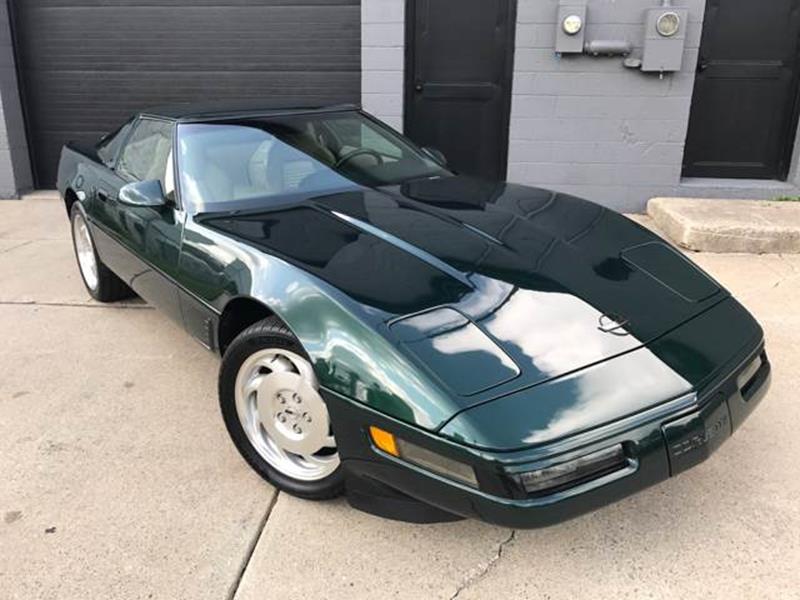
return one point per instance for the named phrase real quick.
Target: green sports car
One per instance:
(434, 345)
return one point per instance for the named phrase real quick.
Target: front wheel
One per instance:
(274, 412)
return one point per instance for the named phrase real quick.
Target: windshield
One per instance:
(243, 164)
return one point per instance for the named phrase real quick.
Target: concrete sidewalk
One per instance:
(713, 225)
(118, 479)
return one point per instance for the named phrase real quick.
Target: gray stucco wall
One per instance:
(15, 171)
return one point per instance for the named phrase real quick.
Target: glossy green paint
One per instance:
(507, 327)
(348, 354)
(530, 276)
(499, 499)
(678, 371)
(652, 457)
(507, 290)
(557, 300)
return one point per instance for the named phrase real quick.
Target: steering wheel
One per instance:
(358, 152)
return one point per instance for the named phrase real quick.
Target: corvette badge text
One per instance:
(718, 429)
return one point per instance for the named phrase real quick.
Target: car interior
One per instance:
(223, 162)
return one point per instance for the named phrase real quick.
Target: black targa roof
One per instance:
(224, 110)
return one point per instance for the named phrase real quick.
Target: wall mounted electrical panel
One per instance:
(570, 26)
(664, 39)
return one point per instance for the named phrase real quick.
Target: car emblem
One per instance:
(613, 324)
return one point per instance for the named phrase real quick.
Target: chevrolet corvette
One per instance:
(433, 345)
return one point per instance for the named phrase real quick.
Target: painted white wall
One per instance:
(382, 62)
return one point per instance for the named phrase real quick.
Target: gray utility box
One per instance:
(566, 43)
(664, 53)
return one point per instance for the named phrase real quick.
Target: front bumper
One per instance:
(660, 443)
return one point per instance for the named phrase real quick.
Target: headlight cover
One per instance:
(551, 479)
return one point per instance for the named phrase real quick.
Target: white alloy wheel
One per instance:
(283, 415)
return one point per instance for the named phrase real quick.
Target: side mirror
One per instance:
(436, 155)
(143, 193)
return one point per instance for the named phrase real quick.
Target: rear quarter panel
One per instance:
(78, 170)
(69, 165)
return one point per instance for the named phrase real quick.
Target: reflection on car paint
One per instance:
(539, 296)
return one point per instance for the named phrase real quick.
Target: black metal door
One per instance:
(458, 80)
(744, 108)
(86, 65)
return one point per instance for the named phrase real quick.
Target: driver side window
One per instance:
(355, 135)
(146, 154)
(109, 146)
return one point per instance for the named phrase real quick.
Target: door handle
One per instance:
(103, 195)
(702, 66)
(418, 86)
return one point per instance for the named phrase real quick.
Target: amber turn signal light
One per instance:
(383, 440)
(422, 457)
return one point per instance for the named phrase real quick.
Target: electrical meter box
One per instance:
(664, 39)
(570, 26)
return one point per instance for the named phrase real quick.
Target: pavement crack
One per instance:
(478, 574)
(20, 245)
(251, 548)
(784, 279)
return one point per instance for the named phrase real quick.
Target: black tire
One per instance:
(269, 333)
(109, 287)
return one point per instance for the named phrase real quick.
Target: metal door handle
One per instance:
(702, 66)
(103, 195)
(418, 86)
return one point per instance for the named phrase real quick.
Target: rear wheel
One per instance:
(101, 283)
(275, 414)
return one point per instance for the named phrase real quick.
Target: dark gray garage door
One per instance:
(86, 64)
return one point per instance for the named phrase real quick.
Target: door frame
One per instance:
(786, 159)
(508, 74)
(787, 152)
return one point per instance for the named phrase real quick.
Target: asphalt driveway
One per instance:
(118, 479)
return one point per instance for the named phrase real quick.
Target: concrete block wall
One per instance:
(583, 125)
(382, 60)
(589, 126)
(15, 170)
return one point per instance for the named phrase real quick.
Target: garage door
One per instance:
(85, 65)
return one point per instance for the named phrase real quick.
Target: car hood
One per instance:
(680, 369)
(488, 287)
